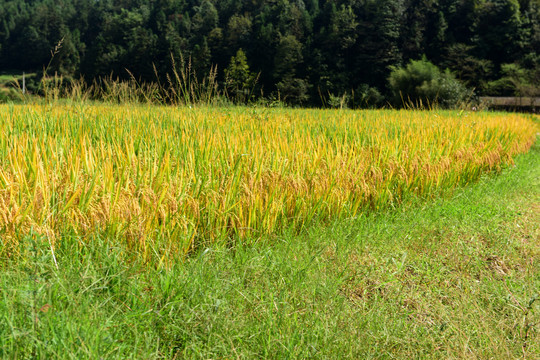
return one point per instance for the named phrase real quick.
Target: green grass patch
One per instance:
(451, 278)
(11, 86)
(7, 77)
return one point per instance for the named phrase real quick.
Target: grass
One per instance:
(11, 78)
(450, 277)
(11, 86)
(6, 78)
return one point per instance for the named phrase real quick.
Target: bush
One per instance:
(367, 97)
(515, 81)
(293, 91)
(338, 102)
(421, 84)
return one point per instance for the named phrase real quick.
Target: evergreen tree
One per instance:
(239, 80)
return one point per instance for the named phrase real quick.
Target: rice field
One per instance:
(166, 180)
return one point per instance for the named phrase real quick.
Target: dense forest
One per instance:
(303, 51)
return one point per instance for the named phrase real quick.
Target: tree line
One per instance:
(303, 52)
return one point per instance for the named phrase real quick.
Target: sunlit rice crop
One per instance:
(165, 180)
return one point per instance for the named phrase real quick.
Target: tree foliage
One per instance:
(303, 50)
(239, 80)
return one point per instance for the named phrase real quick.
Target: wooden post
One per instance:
(23, 83)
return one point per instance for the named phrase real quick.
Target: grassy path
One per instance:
(450, 278)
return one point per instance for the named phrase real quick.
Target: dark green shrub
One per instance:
(367, 97)
(515, 81)
(421, 84)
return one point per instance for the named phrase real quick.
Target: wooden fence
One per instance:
(532, 103)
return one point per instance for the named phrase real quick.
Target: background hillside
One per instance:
(312, 52)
